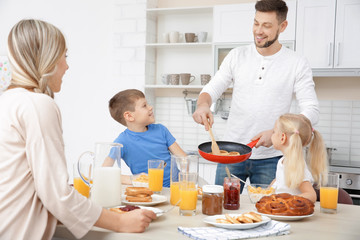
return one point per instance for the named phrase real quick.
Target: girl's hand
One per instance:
(307, 191)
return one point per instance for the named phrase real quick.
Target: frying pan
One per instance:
(244, 150)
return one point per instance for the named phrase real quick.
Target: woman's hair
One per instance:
(277, 6)
(300, 133)
(34, 49)
(122, 102)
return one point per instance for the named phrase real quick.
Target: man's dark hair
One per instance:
(277, 6)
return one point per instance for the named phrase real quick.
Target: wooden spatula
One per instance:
(214, 147)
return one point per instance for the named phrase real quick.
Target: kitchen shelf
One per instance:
(179, 45)
(183, 10)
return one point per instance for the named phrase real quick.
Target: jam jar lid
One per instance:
(213, 189)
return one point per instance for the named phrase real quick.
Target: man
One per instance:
(265, 76)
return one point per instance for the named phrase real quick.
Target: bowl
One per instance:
(257, 191)
(140, 180)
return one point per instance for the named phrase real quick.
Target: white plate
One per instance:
(212, 220)
(156, 199)
(286, 218)
(157, 211)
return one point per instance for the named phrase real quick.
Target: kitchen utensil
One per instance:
(186, 78)
(228, 172)
(191, 105)
(214, 147)
(174, 37)
(190, 37)
(238, 178)
(244, 150)
(167, 210)
(202, 36)
(205, 79)
(103, 179)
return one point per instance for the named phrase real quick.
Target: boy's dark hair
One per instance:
(277, 6)
(124, 101)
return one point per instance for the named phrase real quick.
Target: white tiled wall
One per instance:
(339, 125)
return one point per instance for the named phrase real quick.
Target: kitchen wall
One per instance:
(106, 54)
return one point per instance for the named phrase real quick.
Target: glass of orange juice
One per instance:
(329, 193)
(156, 175)
(184, 164)
(188, 193)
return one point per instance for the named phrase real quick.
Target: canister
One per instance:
(212, 199)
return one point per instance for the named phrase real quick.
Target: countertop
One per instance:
(342, 225)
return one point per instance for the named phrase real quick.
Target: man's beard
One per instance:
(268, 43)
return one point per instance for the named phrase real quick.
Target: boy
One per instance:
(142, 140)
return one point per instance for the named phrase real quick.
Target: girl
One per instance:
(292, 132)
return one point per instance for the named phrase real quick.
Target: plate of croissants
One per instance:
(286, 207)
(237, 221)
(142, 196)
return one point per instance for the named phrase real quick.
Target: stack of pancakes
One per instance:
(138, 194)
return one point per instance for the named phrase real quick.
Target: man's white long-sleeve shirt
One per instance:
(263, 88)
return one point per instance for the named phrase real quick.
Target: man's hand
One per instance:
(202, 114)
(265, 138)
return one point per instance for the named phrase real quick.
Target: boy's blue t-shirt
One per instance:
(139, 147)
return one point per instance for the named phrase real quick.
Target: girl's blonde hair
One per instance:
(34, 49)
(300, 133)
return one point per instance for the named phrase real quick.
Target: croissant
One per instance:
(285, 204)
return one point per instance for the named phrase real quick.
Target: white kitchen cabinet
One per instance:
(233, 23)
(328, 33)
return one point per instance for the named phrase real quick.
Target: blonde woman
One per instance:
(34, 193)
(294, 175)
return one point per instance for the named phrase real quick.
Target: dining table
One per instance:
(343, 225)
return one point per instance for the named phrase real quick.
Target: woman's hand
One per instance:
(134, 221)
(265, 138)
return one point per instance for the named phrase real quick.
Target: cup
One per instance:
(156, 175)
(103, 178)
(174, 79)
(186, 78)
(165, 79)
(188, 164)
(188, 193)
(174, 37)
(79, 184)
(329, 193)
(190, 37)
(231, 193)
(205, 79)
(191, 105)
(165, 38)
(202, 36)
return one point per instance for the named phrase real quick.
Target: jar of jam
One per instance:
(212, 199)
(231, 193)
